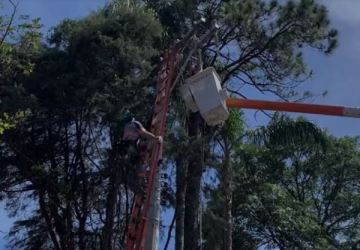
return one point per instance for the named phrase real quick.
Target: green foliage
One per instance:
(177, 16)
(37, 234)
(8, 122)
(19, 41)
(19, 44)
(64, 157)
(234, 126)
(269, 38)
(258, 44)
(64, 154)
(295, 193)
(282, 132)
(118, 39)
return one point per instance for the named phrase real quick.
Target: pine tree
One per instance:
(62, 158)
(296, 191)
(258, 44)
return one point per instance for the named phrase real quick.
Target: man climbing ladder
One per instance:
(134, 130)
(134, 148)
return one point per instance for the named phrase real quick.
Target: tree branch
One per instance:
(8, 27)
(169, 232)
(252, 53)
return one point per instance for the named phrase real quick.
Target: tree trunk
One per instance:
(111, 200)
(50, 227)
(192, 198)
(227, 189)
(110, 214)
(68, 180)
(180, 201)
(84, 187)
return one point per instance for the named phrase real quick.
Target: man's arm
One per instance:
(149, 135)
(146, 134)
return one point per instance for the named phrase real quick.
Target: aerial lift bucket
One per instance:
(203, 92)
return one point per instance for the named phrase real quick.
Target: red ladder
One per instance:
(139, 218)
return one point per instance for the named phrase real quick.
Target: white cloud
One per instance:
(345, 17)
(346, 11)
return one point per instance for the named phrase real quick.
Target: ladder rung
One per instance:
(158, 108)
(158, 100)
(161, 96)
(163, 78)
(157, 119)
(163, 88)
(163, 68)
(163, 74)
(154, 121)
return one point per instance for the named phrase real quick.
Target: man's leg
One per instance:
(135, 163)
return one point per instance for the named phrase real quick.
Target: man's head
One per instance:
(128, 117)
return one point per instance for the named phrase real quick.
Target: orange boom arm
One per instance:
(293, 107)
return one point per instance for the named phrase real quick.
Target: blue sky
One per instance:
(339, 73)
